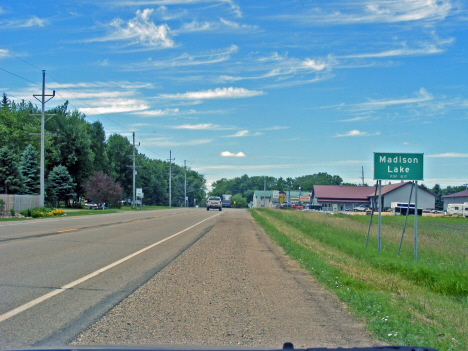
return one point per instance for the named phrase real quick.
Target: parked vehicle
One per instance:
(214, 202)
(457, 209)
(297, 207)
(360, 208)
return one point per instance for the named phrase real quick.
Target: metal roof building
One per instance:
(457, 198)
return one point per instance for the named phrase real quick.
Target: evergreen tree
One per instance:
(10, 178)
(5, 102)
(30, 171)
(60, 186)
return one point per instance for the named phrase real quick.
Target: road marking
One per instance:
(42, 298)
(67, 230)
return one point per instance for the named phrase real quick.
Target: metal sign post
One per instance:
(399, 166)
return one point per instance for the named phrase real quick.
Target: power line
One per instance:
(19, 76)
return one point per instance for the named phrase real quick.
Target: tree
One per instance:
(30, 171)
(60, 186)
(439, 202)
(239, 201)
(118, 151)
(5, 104)
(98, 146)
(102, 188)
(71, 147)
(10, 178)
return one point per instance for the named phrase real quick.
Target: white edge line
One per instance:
(42, 298)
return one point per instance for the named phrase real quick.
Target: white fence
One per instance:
(20, 202)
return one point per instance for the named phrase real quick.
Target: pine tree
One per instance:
(5, 102)
(10, 178)
(30, 171)
(60, 186)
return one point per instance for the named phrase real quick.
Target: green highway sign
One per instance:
(398, 166)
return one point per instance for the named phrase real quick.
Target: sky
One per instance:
(278, 88)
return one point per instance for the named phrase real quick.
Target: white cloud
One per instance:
(421, 96)
(383, 11)
(244, 133)
(104, 106)
(158, 112)
(186, 60)
(34, 21)
(355, 132)
(230, 154)
(201, 126)
(449, 155)
(276, 128)
(218, 93)
(163, 142)
(139, 30)
(3, 52)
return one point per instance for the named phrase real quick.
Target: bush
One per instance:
(42, 212)
(2, 205)
(12, 212)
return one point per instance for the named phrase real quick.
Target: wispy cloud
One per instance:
(222, 25)
(230, 154)
(103, 106)
(354, 133)
(232, 4)
(139, 30)
(186, 60)
(218, 93)
(33, 21)
(449, 155)
(422, 96)
(201, 126)
(276, 128)
(158, 112)
(244, 133)
(383, 11)
(163, 142)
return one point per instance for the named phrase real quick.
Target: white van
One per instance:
(457, 209)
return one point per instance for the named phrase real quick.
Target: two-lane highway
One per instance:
(58, 275)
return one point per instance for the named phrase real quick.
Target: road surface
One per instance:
(59, 275)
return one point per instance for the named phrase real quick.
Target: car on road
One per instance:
(214, 202)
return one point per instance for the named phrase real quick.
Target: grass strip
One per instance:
(394, 320)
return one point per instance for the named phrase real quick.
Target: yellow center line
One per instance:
(68, 230)
(127, 221)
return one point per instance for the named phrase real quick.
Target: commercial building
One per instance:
(346, 197)
(457, 198)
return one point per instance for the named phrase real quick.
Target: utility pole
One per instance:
(170, 177)
(362, 175)
(134, 170)
(264, 188)
(185, 184)
(43, 102)
(466, 186)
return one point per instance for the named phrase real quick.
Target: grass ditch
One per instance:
(401, 301)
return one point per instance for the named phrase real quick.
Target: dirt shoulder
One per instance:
(232, 287)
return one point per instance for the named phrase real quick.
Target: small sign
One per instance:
(139, 192)
(398, 166)
(275, 194)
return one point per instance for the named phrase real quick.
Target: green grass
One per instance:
(401, 301)
(85, 212)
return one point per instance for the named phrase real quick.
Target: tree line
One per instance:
(78, 152)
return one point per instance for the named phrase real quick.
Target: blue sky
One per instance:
(279, 88)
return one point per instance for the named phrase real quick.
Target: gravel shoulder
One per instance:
(232, 287)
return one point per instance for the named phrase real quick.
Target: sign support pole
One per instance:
(416, 222)
(380, 214)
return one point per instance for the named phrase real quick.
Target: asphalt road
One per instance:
(59, 275)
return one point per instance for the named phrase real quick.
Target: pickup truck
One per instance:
(360, 208)
(214, 202)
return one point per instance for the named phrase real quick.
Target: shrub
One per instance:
(12, 212)
(2, 205)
